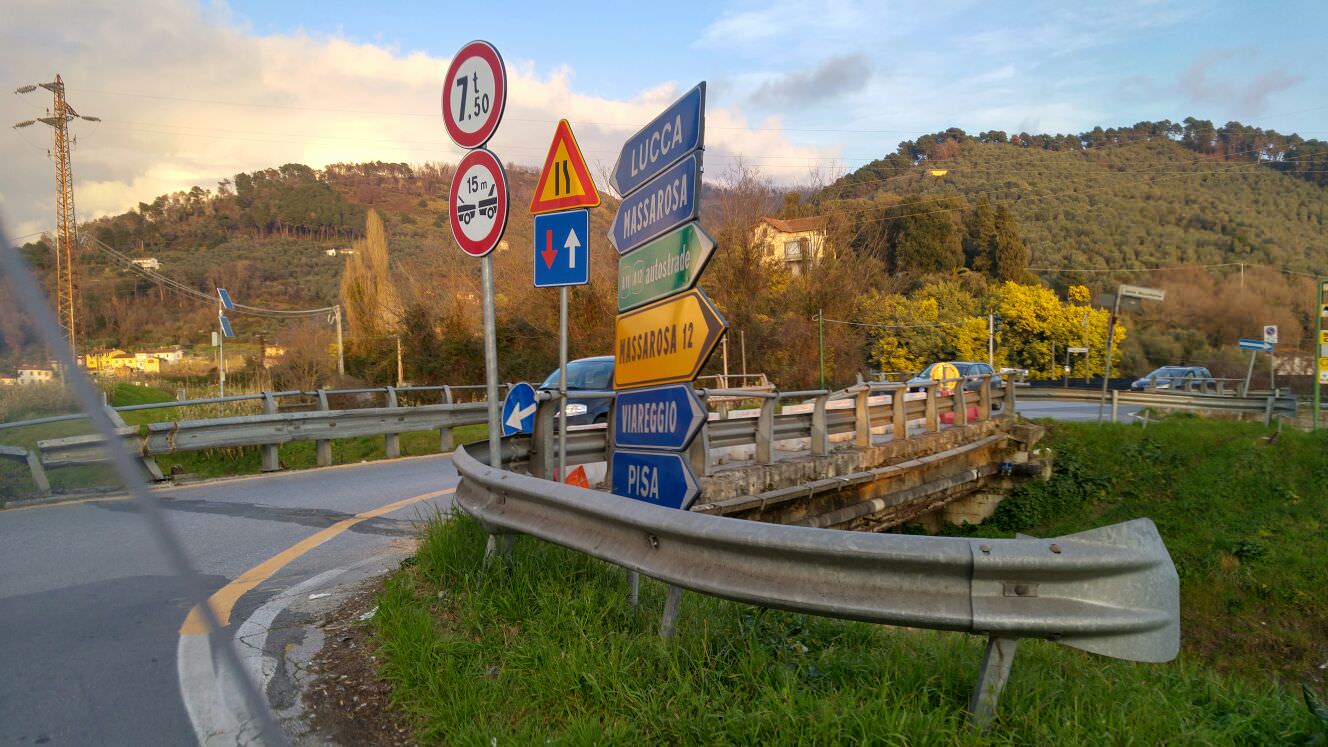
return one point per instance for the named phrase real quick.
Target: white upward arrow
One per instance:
(571, 245)
(519, 414)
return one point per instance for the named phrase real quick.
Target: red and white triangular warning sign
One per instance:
(565, 182)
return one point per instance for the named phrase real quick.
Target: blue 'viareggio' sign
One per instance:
(669, 138)
(660, 417)
(669, 201)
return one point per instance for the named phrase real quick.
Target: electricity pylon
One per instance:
(66, 226)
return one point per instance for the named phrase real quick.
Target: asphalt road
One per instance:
(91, 614)
(1074, 411)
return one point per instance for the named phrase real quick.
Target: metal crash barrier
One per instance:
(1111, 591)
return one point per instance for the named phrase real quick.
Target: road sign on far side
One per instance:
(562, 249)
(1138, 291)
(676, 132)
(474, 94)
(1270, 333)
(663, 478)
(666, 342)
(1247, 344)
(225, 299)
(477, 203)
(519, 410)
(667, 202)
(663, 417)
(1076, 350)
(565, 181)
(658, 269)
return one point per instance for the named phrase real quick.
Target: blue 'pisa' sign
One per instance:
(662, 478)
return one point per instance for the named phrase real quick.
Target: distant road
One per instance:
(1073, 411)
(91, 615)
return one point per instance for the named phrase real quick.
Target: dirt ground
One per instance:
(347, 700)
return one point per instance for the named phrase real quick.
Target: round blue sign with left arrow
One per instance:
(519, 410)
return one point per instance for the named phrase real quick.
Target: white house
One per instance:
(796, 242)
(148, 263)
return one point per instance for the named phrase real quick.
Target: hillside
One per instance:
(932, 232)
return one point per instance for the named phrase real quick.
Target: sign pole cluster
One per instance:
(474, 96)
(224, 326)
(666, 327)
(1321, 357)
(561, 206)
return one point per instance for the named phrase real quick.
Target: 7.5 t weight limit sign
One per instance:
(474, 94)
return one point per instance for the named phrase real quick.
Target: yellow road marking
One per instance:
(223, 601)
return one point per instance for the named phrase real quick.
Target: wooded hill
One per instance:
(932, 230)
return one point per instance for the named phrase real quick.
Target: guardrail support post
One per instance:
(672, 604)
(1007, 402)
(1268, 409)
(820, 431)
(445, 441)
(392, 441)
(765, 432)
(1115, 405)
(984, 399)
(543, 456)
(862, 418)
(149, 464)
(271, 458)
(996, 665)
(930, 416)
(961, 403)
(323, 447)
(38, 472)
(898, 413)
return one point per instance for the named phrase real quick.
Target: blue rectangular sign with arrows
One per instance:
(669, 201)
(663, 478)
(669, 138)
(661, 417)
(562, 248)
(1248, 344)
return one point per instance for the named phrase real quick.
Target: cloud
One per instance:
(1206, 82)
(188, 96)
(829, 79)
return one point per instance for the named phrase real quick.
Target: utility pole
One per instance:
(401, 372)
(991, 342)
(820, 341)
(1106, 374)
(66, 225)
(341, 354)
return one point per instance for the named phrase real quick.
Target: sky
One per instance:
(191, 93)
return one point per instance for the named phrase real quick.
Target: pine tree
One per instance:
(980, 236)
(1010, 251)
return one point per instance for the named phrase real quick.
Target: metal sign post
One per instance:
(474, 98)
(1128, 292)
(560, 205)
(1321, 357)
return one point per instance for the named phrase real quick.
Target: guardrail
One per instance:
(1112, 591)
(1268, 404)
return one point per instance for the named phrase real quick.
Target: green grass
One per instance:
(549, 651)
(1245, 520)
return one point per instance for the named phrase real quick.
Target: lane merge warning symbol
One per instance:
(565, 181)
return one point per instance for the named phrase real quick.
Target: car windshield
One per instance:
(592, 374)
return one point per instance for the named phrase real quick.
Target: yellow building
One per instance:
(796, 242)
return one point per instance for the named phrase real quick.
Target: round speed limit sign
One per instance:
(477, 203)
(474, 94)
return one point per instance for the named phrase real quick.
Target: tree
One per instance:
(924, 235)
(980, 236)
(368, 294)
(1008, 248)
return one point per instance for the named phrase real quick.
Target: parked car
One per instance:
(952, 370)
(1173, 377)
(586, 374)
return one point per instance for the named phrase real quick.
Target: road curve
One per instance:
(91, 613)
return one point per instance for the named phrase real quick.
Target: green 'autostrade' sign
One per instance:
(664, 266)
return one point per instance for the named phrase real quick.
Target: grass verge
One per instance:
(548, 651)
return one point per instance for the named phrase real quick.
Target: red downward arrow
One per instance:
(549, 254)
